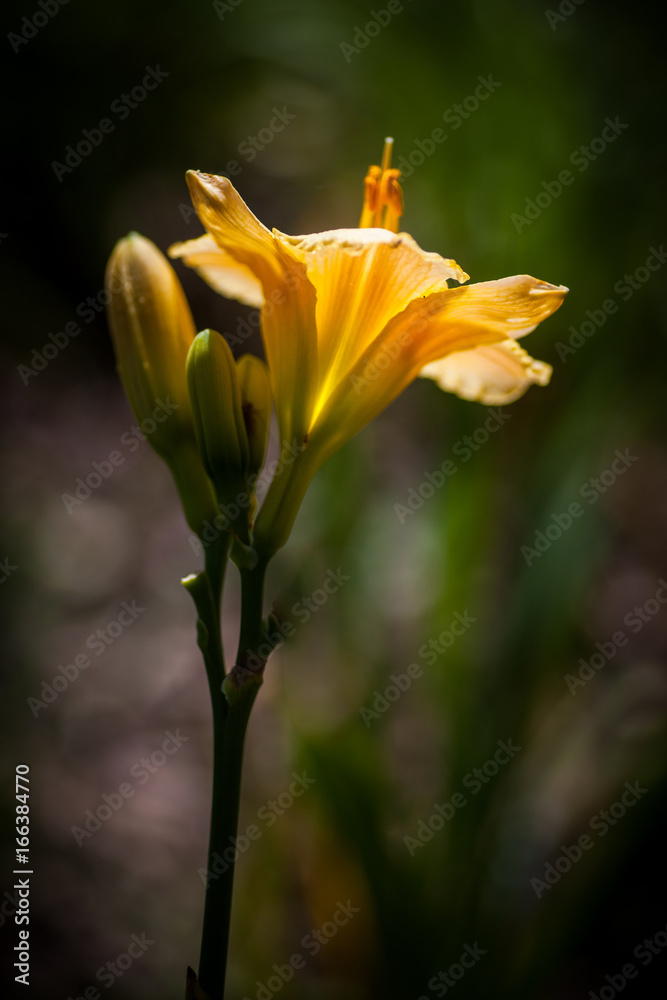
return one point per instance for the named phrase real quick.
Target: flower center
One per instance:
(383, 197)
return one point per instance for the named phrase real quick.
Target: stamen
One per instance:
(371, 197)
(391, 195)
(383, 197)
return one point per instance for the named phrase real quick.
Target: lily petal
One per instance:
(428, 329)
(362, 278)
(511, 307)
(288, 313)
(220, 270)
(232, 225)
(495, 374)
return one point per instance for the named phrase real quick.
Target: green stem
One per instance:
(229, 727)
(215, 564)
(205, 589)
(252, 597)
(232, 704)
(283, 499)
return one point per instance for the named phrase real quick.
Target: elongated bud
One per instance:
(215, 395)
(152, 330)
(255, 384)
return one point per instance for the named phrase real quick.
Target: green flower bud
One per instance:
(215, 395)
(152, 330)
(255, 384)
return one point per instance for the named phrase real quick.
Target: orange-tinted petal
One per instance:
(220, 270)
(288, 313)
(458, 319)
(225, 215)
(495, 374)
(362, 277)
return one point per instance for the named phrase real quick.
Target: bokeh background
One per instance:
(559, 73)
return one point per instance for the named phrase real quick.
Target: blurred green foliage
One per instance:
(561, 77)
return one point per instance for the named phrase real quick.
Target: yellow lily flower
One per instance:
(351, 316)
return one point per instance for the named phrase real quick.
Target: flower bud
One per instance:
(255, 384)
(152, 330)
(215, 396)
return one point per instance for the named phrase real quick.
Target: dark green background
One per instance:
(344, 838)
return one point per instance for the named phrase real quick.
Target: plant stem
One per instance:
(232, 703)
(229, 726)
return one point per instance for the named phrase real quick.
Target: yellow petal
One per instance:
(288, 313)
(483, 313)
(220, 270)
(232, 225)
(494, 375)
(363, 277)
(458, 319)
